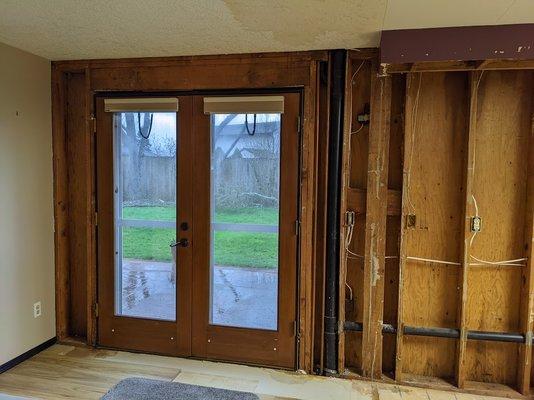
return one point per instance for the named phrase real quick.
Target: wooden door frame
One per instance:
(247, 71)
(169, 337)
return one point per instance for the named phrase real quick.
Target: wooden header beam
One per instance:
(499, 42)
(465, 48)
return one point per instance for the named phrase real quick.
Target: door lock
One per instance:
(182, 243)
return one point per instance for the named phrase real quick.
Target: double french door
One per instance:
(197, 200)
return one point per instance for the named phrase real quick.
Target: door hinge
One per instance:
(95, 310)
(299, 124)
(93, 119)
(297, 227)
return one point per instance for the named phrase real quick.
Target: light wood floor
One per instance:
(71, 372)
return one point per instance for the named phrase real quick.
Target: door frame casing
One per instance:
(230, 72)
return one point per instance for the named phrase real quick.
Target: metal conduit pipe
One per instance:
(472, 335)
(358, 327)
(335, 149)
(353, 326)
(431, 332)
(388, 328)
(450, 333)
(496, 336)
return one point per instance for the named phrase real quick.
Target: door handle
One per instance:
(182, 243)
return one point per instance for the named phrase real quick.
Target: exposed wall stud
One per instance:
(375, 225)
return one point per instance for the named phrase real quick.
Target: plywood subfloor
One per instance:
(69, 372)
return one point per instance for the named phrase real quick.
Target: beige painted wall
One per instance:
(26, 203)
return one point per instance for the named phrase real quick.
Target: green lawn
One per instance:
(231, 248)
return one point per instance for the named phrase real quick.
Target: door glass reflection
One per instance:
(245, 189)
(145, 214)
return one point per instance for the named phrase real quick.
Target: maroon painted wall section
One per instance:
(514, 42)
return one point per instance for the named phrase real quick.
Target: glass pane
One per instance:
(145, 215)
(245, 181)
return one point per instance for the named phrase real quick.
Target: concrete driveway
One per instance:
(244, 297)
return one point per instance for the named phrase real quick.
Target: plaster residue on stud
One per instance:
(376, 269)
(375, 265)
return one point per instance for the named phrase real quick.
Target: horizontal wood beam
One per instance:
(498, 42)
(441, 66)
(357, 201)
(224, 59)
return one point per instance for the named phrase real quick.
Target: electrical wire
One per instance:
(351, 295)
(481, 262)
(356, 72)
(429, 260)
(361, 127)
(358, 130)
(348, 240)
(413, 122)
(508, 263)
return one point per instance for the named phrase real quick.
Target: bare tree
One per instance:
(134, 140)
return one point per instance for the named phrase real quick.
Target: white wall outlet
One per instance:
(37, 310)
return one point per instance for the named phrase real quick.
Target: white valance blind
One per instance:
(146, 104)
(244, 105)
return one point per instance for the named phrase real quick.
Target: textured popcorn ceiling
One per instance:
(76, 29)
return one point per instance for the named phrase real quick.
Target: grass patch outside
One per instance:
(243, 249)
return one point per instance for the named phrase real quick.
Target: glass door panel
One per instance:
(145, 147)
(245, 214)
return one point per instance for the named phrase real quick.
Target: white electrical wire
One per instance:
(350, 290)
(495, 265)
(510, 263)
(350, 228)
(361, 127)
(356, 72)
(481, 262)
(413, 122)
(499, 262)
(348, 240)
(358, 130)
(433, 261)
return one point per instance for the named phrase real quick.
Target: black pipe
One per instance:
(358, 327)
(471, 335)
(337, 59)
(450, 333)
(496, 336)
(353, 326)
(432, 332)
(388, 328)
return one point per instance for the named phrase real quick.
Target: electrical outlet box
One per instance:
(363, 118)
(350, 218)
(37, 310)
(476, 224)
